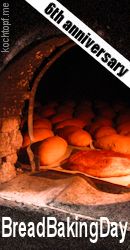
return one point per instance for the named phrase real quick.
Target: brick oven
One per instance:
(46, 66)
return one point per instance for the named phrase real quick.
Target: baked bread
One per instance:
(100, 122)
(52, 150)
(75, 136)
(104, 131)
(79, 138)
(60, 117)
(66, 131)
(102, 164)
(39, 135)
(71, 122)
(117, 143)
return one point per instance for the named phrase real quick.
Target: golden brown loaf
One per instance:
(71, 122)
(39, 135)
(117, 143)
(102, 164)
(104, 131)
(52, 150)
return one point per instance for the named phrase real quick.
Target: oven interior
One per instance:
(74, 78)
(77, 76)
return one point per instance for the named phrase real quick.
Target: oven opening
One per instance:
(77, 76)
(75, 93)
(76, 102)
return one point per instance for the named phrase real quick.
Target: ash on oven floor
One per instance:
(66, 193)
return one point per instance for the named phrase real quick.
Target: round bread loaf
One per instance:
(79, 138)
(75, 136)
(52, 150)
(60, 117)
(39, 135)
(104, 131)
(117, 143)
(100, 122)
(71, 122)
(66, 131)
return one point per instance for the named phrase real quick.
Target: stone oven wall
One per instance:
(16, 81)
(10, 142)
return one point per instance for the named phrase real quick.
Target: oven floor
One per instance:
(67, 194)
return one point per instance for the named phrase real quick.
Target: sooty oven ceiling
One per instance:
(98, 14)
(76, 75)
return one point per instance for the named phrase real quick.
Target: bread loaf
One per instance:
(39, 135)
(102, 164)
(75, 136)
(71, 122)
(104, 131)
(60, 117)
(100, 122)
(52, 150)
(117, 143)
(66, 131)
(79, 138)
